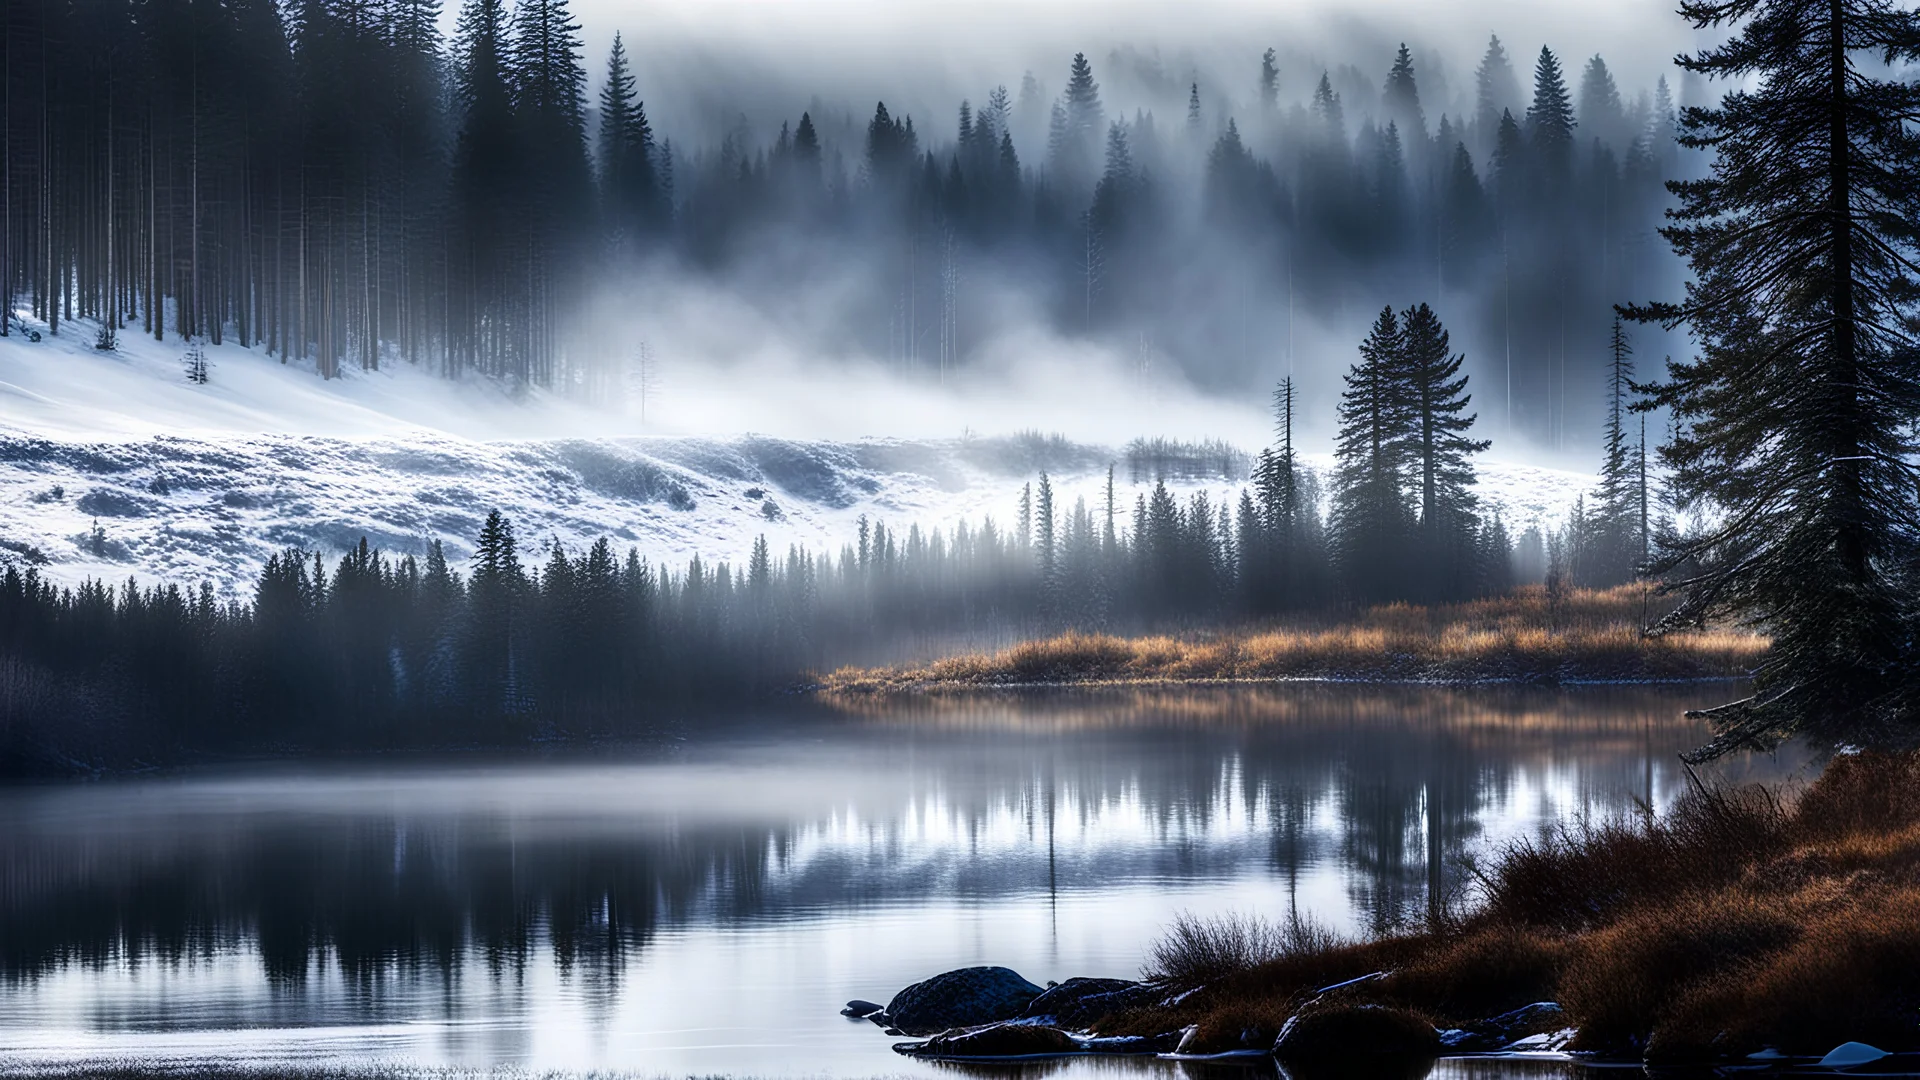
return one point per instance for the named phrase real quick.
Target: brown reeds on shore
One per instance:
(1585, 635)
(1745, 919)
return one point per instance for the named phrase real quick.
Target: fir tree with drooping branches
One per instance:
(1795, 422)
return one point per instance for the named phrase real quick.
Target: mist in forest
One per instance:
(853, 218)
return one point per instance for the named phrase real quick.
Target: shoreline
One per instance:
(957, 686)
(1767, 927)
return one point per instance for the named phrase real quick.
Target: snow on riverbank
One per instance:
(114, 465)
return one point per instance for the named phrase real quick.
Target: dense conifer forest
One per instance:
(337, 183)
(373, 650)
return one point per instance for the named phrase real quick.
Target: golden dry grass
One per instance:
(1744, 919)
(1590, 635)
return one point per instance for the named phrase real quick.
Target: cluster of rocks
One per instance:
(992, 1012)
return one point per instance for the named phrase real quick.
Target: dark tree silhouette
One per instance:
(1797, 417)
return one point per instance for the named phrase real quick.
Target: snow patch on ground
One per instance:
(114, 465)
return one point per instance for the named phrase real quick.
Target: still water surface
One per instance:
(703, 907)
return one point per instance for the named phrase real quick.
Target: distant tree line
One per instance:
(336, 182)
(373, 650)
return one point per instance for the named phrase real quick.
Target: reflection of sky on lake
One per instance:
(705, 909)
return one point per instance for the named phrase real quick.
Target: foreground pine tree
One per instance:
(1797, 416)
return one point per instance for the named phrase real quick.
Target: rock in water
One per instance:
(1852, 1053)
(860, 1009)
(1079, 1004)
(996, 1041)
(1503, 1031)
(968, 997)
(1350, 1032)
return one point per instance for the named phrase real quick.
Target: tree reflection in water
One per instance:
(405, 878)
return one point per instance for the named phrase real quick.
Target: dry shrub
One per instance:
(1852, 973)
(1238, 1024)
(1585, 875)
(1622, 980)
(1070, 655)
(1480, 973)
(1198, 951)
(1860, 794)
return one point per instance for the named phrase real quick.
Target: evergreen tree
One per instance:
(892, 149)
(1663, 128)
(1439, 449)
(1046, 537)
(1509, 163)
(1464, 220)
(1085, 122)
(1391, 194)
(498, 581)
(1116, 185)
(626, 150)
(1496, 91)
(1800, 409)
(1401, 99)
(1371, 522)
(1550, 125)
(1277, 556)
(549, 83)
(1602, 114)
(1617, 546)
(1326, 108)
(486, 179)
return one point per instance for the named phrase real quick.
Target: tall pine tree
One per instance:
(1796, 420)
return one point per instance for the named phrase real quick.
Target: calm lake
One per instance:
(704, 905)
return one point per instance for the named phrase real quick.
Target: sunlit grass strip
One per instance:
(1588, 635)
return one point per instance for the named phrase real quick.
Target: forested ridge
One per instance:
(336, 182)
(375, 650)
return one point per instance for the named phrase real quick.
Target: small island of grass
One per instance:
(1528, 635)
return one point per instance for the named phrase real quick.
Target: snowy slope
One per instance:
(190, 483)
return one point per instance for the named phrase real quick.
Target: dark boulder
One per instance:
(969, 997)
(1356, 1033)
(860, 1009)
(1501, 1032)
(1008, 1040)
(1079, 1004)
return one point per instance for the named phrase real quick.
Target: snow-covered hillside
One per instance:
(114, 465)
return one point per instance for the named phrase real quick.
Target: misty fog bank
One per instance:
(841, 220)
